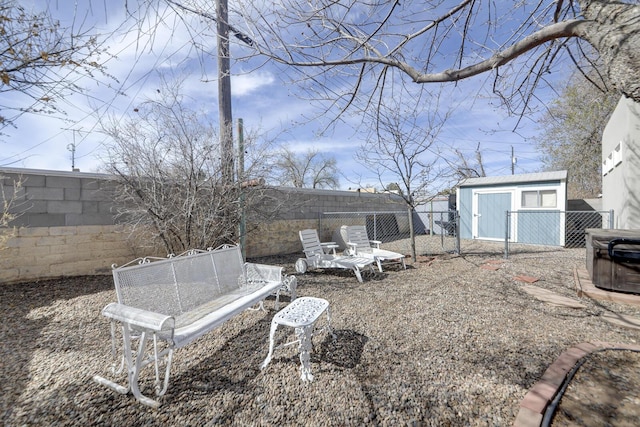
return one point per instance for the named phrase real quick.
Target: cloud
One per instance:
(246, 84)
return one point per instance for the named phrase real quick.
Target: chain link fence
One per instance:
(435, 232)
(552, 228)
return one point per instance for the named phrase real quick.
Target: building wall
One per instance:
(621, 165)
(429, 218)
(67, 225)
(526, 226)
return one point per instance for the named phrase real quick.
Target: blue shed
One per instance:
(536, 202)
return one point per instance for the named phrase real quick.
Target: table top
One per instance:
(301, 312)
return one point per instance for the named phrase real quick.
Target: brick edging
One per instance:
(535, 402)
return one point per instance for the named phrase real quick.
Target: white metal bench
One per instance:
(171, 302)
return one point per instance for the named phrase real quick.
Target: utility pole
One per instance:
(513, 162)
(242, 227)
(224, 91)
(221, 18)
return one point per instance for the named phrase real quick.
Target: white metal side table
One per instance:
(302, 315)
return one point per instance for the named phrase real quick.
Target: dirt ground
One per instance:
(463, 351)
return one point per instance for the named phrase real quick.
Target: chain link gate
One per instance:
(435, 232)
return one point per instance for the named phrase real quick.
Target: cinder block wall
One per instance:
(306, 207)
(48, 252)
(67, 225)
(60, 199)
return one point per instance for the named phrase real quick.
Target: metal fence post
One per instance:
(456, 217)
(375, 226)
(506, 235)
(611, 218)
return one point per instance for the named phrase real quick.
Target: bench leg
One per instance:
(292, 284)
(304, 335)
(134, 362)
(115, 370)
(134, 368)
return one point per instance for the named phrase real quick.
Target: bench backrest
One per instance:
(175, 285)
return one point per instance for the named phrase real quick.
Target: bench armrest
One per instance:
(263, 272)
(138, 317)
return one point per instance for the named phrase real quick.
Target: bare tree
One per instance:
(13, 201)
(463, 167)
(440, 41)
(41, 60)
(572, 132)
(309, 169)
(172, 185)
(402, 148)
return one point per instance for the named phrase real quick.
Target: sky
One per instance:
(260, 96)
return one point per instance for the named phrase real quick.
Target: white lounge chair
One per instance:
(316, 256)
(360, 245)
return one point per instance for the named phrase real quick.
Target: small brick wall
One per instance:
(67, 225)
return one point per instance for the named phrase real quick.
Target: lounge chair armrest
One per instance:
(329, 246)
(376, 242)
(138, 317)
(352, 250)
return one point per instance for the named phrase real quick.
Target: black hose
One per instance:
(550, 411)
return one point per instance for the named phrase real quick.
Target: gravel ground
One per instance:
(443, 343)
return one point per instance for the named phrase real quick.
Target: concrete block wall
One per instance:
(59, 199)
(67, 225)
(47, 252)
(277, 237)
(306, 207)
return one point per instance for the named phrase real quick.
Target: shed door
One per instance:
(489, 218)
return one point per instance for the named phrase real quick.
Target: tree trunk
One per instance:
(614, 31)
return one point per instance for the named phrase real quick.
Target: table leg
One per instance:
(304, 334)
(272, 334)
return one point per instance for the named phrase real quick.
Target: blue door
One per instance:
(490, 215)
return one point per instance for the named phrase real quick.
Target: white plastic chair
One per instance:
(316, 256)
(360, 245)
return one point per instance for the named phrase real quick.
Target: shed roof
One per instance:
(515, 179)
